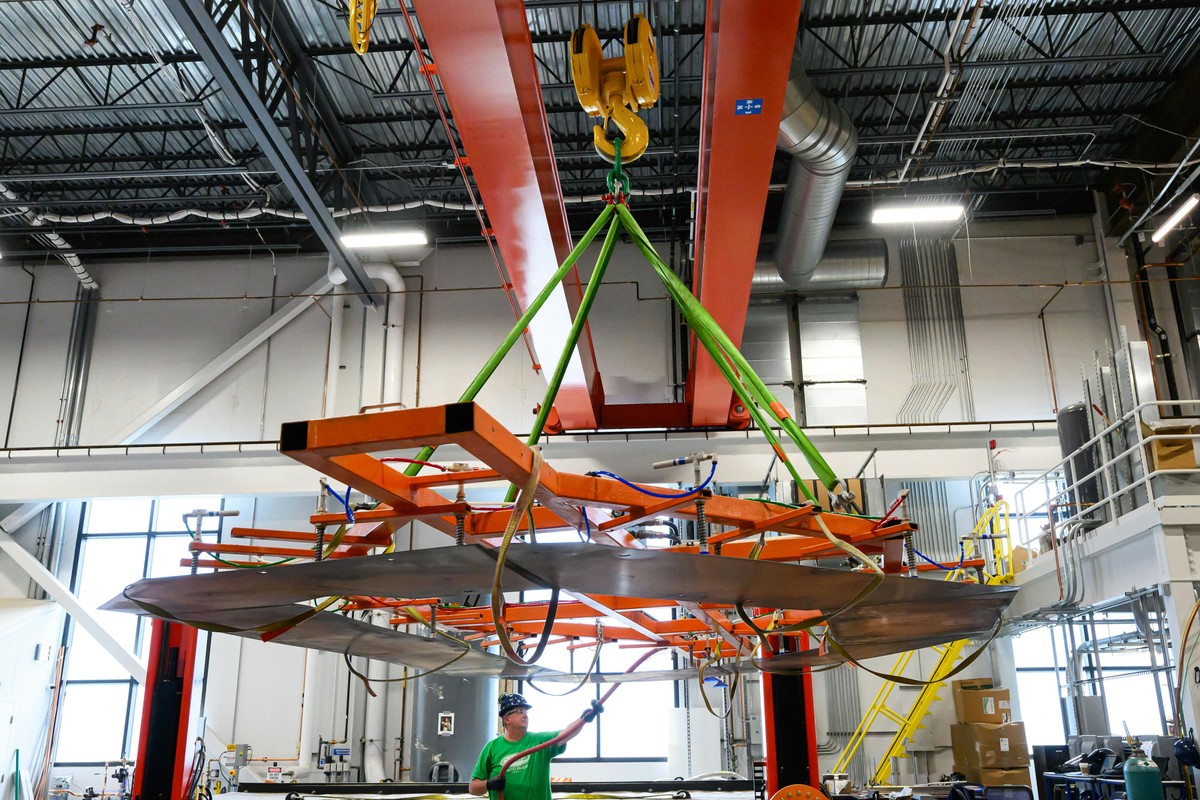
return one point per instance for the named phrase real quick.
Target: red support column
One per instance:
(789, 726)
(169, 725)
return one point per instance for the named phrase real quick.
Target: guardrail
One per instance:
(1122, 481)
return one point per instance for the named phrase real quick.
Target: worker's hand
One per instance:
(589, 714)
(496, 784)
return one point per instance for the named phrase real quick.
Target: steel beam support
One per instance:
(62, 594)
(122, 175)
(748, 53)
(210, 371)
(305, 72)
(206, 38)
(484, 58)
(46, 111)
(789, 727)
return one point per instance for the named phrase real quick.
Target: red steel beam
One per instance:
(748, 52)
(483, 55)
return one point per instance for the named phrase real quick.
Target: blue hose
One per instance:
(663, 495)
(345, 501)
(962, 556)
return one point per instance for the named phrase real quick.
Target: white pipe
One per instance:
(373, 724)
(334, 369)
(62, 247)
(308, 713)
(393, 351)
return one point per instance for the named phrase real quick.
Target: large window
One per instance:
(1038, 656)
(1098, 672)
(633, 726)
(120, 541)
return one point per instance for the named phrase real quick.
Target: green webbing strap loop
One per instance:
(617, 177)
(699, 318)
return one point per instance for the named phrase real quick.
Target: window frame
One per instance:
(149, 535)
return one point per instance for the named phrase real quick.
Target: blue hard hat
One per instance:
(511, 702)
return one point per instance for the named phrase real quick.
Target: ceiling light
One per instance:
(380, 239)
(1174, 219)
(883, 216)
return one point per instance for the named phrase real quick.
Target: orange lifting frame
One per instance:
(341, 448)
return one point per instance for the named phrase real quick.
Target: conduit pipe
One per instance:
(393, 355)
(822, 139)
(63, 249)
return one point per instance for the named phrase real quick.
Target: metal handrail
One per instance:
(1134, 456)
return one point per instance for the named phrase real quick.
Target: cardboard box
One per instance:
(1018, 776)
(978, 700)
(1170, 453)
(1021, 556)
(981, 745)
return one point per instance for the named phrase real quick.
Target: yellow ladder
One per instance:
(908, 723)
(995, 519)
(950, 653)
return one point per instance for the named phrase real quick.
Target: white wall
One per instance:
(1009, 374)
(27, 629)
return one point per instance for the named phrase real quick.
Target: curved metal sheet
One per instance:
(336, 633)
(578, 567)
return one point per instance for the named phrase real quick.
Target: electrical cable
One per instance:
(412, 612)
(664, 495)
(422, 462)
(733, 684)
(1187, 630)
(587, 526)
(586, 676)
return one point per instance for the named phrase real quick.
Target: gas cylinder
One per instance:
(1143, 781)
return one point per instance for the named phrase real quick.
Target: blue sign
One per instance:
(341, 751)
(751, 105)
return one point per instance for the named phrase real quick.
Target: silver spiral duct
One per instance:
(847, 264)
(823, 140)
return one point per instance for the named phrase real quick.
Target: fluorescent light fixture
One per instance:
(364, 241)
(884, 216)
(1174, 219)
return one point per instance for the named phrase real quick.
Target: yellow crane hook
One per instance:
(615, 88)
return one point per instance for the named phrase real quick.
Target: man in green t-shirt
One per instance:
(529, 778)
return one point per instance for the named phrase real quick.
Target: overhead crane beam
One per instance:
(748, 52)
(484, 59)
